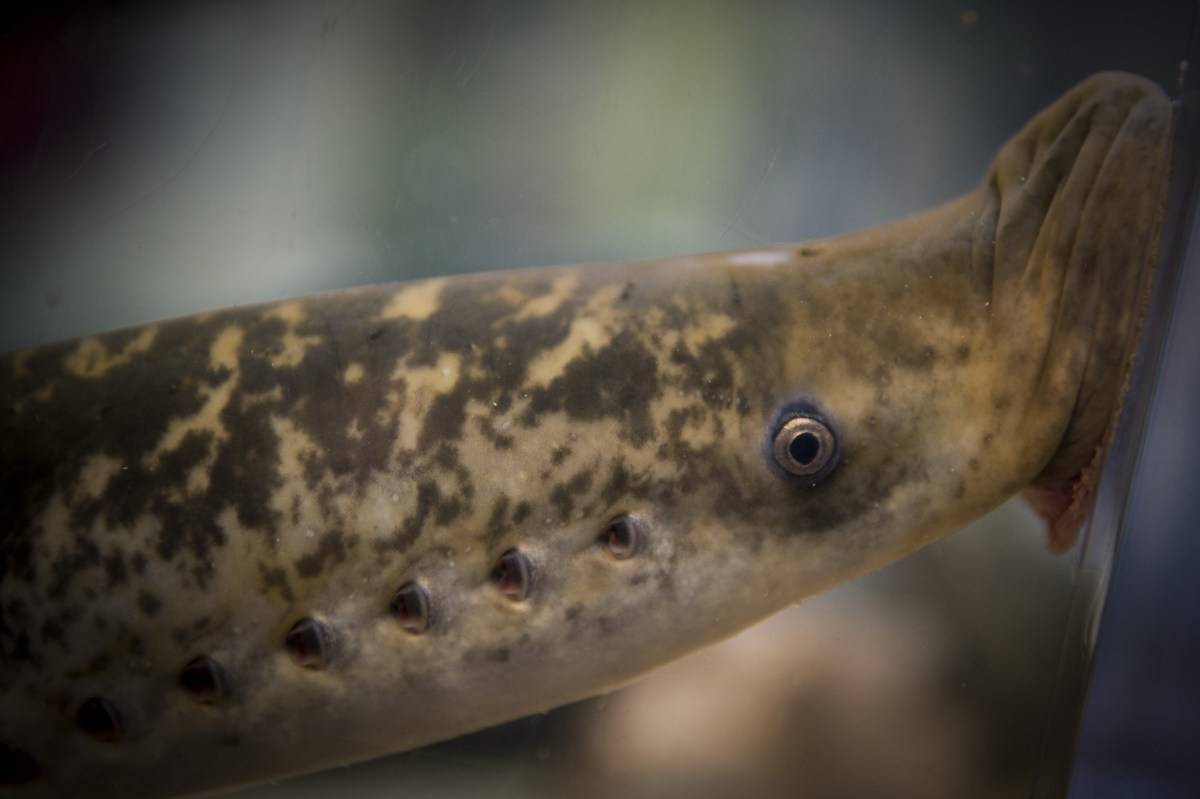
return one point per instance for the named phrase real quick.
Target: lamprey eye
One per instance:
(99, 719)
(512, 575)
(622, 537)
(410, 607)
(804, 446)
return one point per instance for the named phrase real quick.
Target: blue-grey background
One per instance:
(158, 159)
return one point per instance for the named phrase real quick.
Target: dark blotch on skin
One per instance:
(498, 520)
(204, 680)
(499, 440)
(180, 530)
(330, 549)
(17, 767)
(428, 497)
(564, 495)
(275, 579)
(98, 718)
(708, 372)
(310, 643)
(114, 568)
(446, 457)
(66, 566)
(618, 381)
(448, 511)
(444, 419)
(98, 664)
(52, 631)
(149, 603)
(620, 483)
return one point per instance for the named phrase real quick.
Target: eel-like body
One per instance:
(272, 539)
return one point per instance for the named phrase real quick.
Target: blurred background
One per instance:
(160, 159)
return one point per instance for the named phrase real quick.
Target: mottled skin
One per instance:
(196, 486)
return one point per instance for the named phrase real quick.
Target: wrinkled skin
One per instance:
(195, 487)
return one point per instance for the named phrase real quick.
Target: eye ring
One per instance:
(804, 446)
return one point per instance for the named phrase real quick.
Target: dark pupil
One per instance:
(804, 448)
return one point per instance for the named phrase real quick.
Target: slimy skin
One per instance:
(175, 498)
